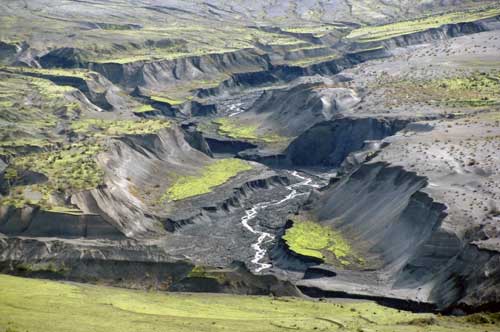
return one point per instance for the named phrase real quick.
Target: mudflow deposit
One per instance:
(337, 160)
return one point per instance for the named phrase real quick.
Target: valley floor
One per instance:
(40, 305)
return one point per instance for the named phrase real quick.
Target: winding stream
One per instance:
(264, 237)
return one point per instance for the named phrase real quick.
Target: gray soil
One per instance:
(412, 183)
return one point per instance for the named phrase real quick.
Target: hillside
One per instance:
(339, 150)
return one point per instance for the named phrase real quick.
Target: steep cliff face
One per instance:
(8, 52)
(377, 203)
(156, 75)
(131, 265)
(30, 221)
(329, 143)
(410, 250)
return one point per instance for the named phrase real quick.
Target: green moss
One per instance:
(203, 272)
(119, 127)
(230, 128)
(308, 238)
(41, 267)
(213, 175)
(167, 100)
(77, 73)
(41, 305)
(144, 108)
(377, 33)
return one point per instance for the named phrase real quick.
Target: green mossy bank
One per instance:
(38, 305)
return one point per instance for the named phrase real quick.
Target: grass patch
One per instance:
(377, 33)
(231, 128)
(39, 305)
(311, 239)
(119, 127)
(213, 175)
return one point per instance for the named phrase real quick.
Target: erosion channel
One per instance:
(308, 149)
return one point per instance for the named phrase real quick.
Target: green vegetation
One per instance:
(308, 238)
(144, 108)
(30, 305)
(313, 60)
(71, 168)
(183, 90)
(213, 175)
(77, 73)
(50, 90)
(316, 31)
(42, 267)
(29, 110)
(25, 142)
(167, 100)
(162, 36)
(203, 272)
(190, 40)
(100, 127)
(377, 33)
(476, 90)
(230, 128)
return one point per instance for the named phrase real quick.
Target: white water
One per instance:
(236, 109)
(264, 237)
